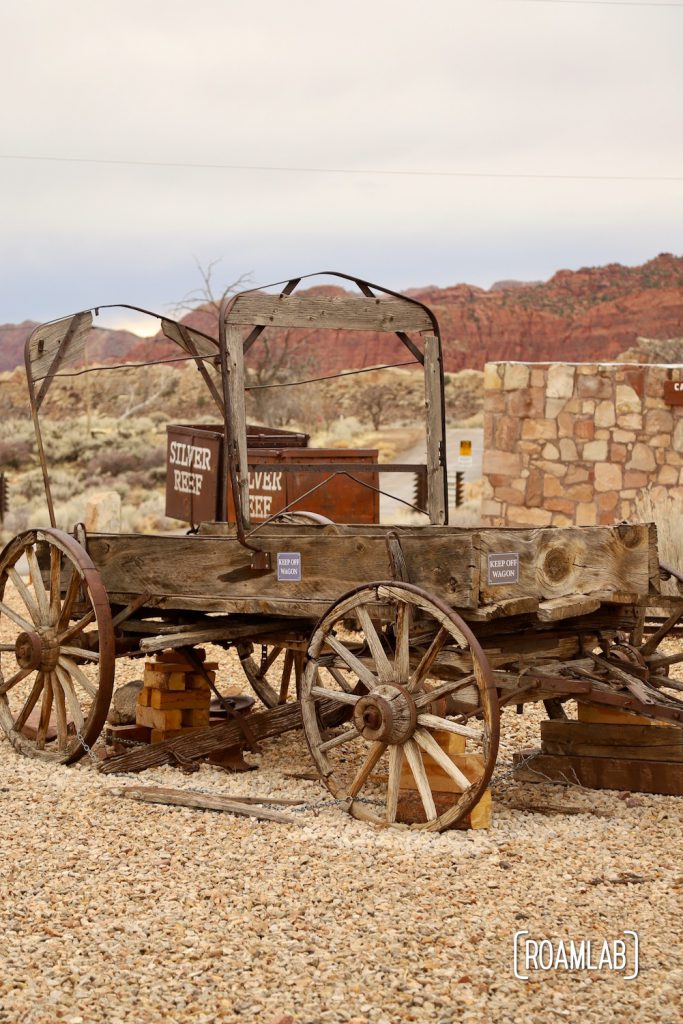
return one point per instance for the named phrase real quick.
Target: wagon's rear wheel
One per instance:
(424, 677)
(57, 671)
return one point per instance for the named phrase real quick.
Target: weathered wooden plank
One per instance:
(567, 607)
(339, 312)
(202, 801)
(642, 742)
(502, 609)
(214, 573)
(573, 560)
(235, 361)
(436, 492)
(630, 775)
(47, 339)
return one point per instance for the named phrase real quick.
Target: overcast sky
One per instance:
(363, 87)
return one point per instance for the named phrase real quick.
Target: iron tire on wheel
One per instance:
(397, 714)
(63, 651)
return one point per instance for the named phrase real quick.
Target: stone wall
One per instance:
(575, 443)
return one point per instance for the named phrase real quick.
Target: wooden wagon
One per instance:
(399, 643)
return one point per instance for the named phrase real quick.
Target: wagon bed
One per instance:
(394, 646)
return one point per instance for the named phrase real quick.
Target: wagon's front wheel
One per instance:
(425, 679)
(57, 671)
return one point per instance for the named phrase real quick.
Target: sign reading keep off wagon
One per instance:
(503, 569)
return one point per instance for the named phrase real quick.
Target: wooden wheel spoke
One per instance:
(17, 619)
(25, 594)
(394, 781)
(72, 669)
(355, 664)
(428, 658)
(376, 751)
(402, 658)
(340, 698)
(76, 628)
(414, 758)
(75, 710)
(286, 676)
(431, 747)
(80, 652)
(384, 670)
(443, 690)
(45, 709)
(336, 741)
(7, 685)
(60, 708)
(338, 677)
(38, 585)
(31, 702)
(55, 585)
(72, 589)
(436, 722)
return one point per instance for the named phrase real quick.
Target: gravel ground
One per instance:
(118, 912)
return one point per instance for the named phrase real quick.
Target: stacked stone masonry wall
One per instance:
(576, 443)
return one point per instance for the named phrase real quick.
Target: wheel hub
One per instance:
(35, 651)
(387, 714)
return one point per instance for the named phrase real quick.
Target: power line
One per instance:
(282, 169)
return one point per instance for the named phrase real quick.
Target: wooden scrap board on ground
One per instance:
(631, 775)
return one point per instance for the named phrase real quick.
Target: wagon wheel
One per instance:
(273, 670)
(404, 707)
(60, 666)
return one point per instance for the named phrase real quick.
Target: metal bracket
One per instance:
(261, 561)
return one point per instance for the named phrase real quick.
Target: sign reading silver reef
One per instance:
(503, 568)
(193, 456)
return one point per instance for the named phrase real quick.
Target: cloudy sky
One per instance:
(411, 143)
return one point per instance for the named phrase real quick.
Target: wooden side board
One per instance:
(625, 774)
(339, 312)
(212, 571)
(215, 573)
(639, 742)
(554, 563)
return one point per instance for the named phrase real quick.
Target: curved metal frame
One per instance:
(367, 289)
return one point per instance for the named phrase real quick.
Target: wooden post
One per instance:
(436, 456)
(237, 413)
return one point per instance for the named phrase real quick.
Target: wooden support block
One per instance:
(163, 680)
(185, 700)
(157, 719)
(410, 809)
(641, 742)
(160, 735)
(132, 733)
(145, 697)
(615, 716)
(625, 774)
(198, 682)
(471, 765)
(195, 718)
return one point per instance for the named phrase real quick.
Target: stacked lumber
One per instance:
(444, 790)
(607, 748)
(175, 697)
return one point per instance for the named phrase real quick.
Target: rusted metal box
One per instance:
(194, 476)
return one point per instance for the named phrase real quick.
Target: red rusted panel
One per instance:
(193, 473)
(194, 476)
(340, 498)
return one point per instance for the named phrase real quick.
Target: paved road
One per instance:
(402, 484)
